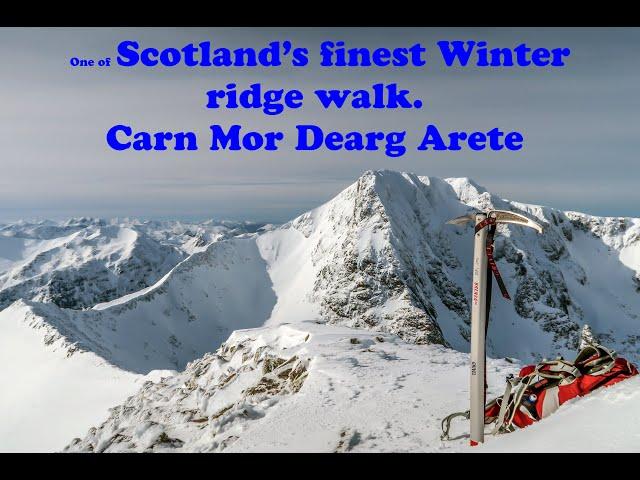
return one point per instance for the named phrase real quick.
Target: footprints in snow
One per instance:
(348, 440)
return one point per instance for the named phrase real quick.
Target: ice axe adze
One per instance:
(483, 267)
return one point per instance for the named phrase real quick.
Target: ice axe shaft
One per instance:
(478, 329)
(479, 310)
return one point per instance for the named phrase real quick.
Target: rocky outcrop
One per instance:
(205, 407)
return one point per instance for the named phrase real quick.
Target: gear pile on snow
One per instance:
(540, 389)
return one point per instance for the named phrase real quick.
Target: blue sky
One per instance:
(581, 124)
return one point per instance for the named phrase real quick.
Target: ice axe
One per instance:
(484, 266)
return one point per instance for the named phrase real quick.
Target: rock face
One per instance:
(204, 408)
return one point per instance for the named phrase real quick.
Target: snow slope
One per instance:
(47, 394)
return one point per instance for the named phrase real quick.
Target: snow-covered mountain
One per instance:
(81, 262)
(372, 284)
(381, 256)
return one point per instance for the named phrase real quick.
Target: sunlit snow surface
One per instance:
(363, 393)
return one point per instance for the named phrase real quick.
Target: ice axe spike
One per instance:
(483, 265)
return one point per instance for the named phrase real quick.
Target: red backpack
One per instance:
(540, 389)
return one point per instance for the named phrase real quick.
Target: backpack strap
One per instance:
(504, 404)
(547, 374)
(594, 359)
(558, 369)
(516, 402)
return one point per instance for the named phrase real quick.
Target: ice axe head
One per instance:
(501, 216)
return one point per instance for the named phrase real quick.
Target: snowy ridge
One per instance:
(380, 256)
(289, 389)
(47, 393)
(97, 263)
(320, 388)
(196, 305)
